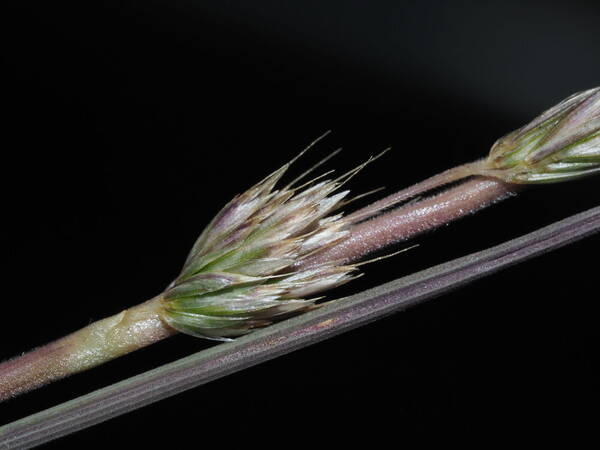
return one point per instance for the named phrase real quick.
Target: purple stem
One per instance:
(445, 177)
(405, 222)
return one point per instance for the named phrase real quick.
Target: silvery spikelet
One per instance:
(240, 273)
(561, 144)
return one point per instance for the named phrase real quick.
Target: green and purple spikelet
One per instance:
(241, 273)
(561, 144)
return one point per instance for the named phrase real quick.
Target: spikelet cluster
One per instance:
(561, 144)
(241, 272)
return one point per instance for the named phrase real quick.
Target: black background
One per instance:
(131, 123)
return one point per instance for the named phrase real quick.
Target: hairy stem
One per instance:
(405, 222)
(95, 344)
(441, 179)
